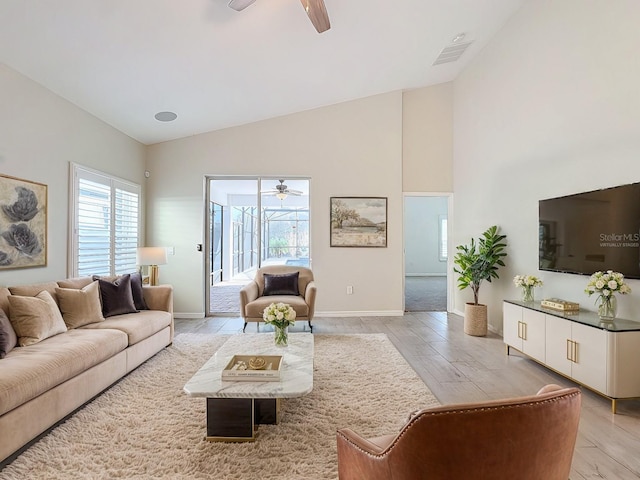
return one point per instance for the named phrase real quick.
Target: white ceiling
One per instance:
(125, 60)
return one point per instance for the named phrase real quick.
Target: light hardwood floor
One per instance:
(459, 368)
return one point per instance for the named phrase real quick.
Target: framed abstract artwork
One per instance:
(358, 221)
(23, 223)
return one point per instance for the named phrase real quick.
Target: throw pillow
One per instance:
(136, 290)
(282, 284)
(8, 337)
(116, 296)
(35, 318)
(80, 306)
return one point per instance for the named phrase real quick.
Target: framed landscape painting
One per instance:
(23, 223)
(358, 221)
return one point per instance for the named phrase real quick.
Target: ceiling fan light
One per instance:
(239, 5)
(281, 195)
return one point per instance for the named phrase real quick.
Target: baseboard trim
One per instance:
(361, 313)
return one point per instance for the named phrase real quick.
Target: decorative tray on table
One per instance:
(253, 368)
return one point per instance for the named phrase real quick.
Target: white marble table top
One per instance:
(296, 375)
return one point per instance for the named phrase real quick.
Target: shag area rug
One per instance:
(145, 427)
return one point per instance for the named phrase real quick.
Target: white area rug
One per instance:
(145, 427)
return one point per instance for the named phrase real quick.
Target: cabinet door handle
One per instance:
(572, 351)
(524, 331)
(519, 329)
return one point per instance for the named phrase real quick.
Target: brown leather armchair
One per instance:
(526, 438)
(253, 301)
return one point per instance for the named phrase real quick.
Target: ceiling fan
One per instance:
(281, 191)
(315, 9)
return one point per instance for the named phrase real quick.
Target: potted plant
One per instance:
(475, 263)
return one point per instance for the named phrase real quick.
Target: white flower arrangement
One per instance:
(605, 284)
(527, 281)
(279, 315)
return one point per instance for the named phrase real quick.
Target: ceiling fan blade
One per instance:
(239, 5)
(317, 14)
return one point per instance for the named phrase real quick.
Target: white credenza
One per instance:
(602, 356)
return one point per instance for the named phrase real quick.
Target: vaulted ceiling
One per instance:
(125, 60)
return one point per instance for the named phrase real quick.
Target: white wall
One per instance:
(349, 149)
(40, 134)
(427, 139)
(422, 235)
(550, 107)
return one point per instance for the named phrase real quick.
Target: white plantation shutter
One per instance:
(105, 224)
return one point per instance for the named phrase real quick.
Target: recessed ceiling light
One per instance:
(165, 116)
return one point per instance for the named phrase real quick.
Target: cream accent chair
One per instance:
(253, 303)
(525, 438)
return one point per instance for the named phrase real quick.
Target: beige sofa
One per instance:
(43, 382)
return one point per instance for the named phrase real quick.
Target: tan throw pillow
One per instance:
(35, 318)
(80, 306)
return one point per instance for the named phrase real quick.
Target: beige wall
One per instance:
(427, 139)
(349, 149)
(40, 134)
(550, 107)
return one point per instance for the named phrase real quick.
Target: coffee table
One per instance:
(235, 409)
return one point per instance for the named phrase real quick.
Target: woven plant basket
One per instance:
(475, 320)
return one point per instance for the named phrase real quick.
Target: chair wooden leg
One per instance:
(245, 326)
(310, 326)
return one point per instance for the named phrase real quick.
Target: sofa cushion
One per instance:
(281, 284)
(80, 306)
(8, 337)
(34, 289)
(27, 372)
(116, 296)
(35, 318)
(137, 326)
(256, 308)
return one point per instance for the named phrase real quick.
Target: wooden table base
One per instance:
(237, 419)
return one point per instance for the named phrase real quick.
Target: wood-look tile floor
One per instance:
(459, 368)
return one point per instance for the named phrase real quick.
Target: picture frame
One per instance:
(23, 223)
(358, 222)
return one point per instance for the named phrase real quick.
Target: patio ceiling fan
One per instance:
(281, 191)
(315, 9)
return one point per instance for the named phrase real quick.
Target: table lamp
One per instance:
(152, 257)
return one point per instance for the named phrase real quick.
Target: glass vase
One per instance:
(527, 293)
(281, 336)
(607, 308)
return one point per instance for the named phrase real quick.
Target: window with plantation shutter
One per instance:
(442, 238)
(105, 224)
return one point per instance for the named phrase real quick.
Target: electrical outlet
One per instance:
(349, 290)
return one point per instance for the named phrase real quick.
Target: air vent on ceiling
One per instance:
(451, 53)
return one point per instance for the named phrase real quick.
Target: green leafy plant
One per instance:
(480, 260)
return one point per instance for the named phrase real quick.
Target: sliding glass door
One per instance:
(252, 222)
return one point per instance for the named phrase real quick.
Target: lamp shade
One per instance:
(151, 256)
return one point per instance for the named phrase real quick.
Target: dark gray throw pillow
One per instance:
(282, 284)
(116, 296)
(8, 337)
(136, 290)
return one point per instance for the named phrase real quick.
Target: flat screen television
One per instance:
(591, 231)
